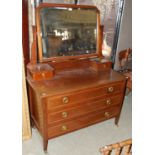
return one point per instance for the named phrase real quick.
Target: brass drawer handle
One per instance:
(110, 89)
(108, 102)
(64, 127)
(64, 114)
(106, 114)
(43, 75)
(65, 99)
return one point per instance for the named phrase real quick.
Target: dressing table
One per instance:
(69, 86)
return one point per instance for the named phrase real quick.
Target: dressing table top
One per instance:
(75, 80)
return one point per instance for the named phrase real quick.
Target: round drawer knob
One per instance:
(106, 114)
(65, 99)
(64, 114)
(43, 75)
(110, 89)
(108, 102)
(64, 127)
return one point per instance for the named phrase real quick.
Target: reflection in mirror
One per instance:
(68, 31)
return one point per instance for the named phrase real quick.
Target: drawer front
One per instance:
(85, 95)
(83, 108)
(80, 122)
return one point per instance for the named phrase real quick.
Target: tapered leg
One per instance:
(116, 120)
(45, 143)
(128, 91)
(32, 123)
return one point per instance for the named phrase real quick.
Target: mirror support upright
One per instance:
(34, 46)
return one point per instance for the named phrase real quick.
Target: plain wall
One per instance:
(125, 35)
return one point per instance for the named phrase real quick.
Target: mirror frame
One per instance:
(63, 58)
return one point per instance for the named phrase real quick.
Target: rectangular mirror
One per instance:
(68, 31)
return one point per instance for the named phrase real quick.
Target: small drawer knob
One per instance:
(43, 75)
(108, 102)
(65, 99)
(106, 114)
(110, 89)
(64, 114)
(64, 128)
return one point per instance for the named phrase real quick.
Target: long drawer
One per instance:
(80, 122)
(110, 89)
(82, 108)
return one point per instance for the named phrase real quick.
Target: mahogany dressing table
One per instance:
(68, 88)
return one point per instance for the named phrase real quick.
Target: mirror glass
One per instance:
(68, 31)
